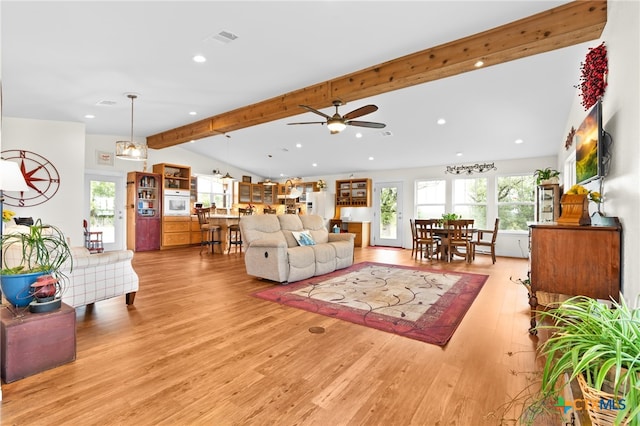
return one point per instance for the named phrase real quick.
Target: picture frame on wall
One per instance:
(104, 158)
(246, 179)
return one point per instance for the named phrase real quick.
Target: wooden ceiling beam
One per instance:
(563, 26)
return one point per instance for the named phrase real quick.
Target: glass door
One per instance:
(105, 212)
(387, 226)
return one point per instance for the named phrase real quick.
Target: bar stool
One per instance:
(209, 234)
(235, 237)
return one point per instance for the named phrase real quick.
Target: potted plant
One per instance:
(547, 175)
(28, 254)
(600, 347)
(446, 217)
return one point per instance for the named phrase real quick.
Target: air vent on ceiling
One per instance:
(224, 37)
(106, 103)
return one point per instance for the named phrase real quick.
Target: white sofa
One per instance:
(94, 277)
(273, 253)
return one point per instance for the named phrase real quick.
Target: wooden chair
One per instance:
(482, 240)
(210, 234)
(235, 237)
(425, 238)
(458, 236)
(92, 239)
(269, 211)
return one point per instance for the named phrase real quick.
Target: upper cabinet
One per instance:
(174, 176)
(353, 193)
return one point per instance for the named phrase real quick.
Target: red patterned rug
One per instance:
(419, 303)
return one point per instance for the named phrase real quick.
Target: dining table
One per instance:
(224, 221)
(443, 233)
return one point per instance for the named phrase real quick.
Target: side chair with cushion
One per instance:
(210, 234)
(486, 238)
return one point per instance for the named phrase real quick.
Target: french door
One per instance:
(387, 223)
(105, 211)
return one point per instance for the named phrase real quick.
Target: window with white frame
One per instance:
(213, 190)
(516, 197)
(431, 198)
(470, 200)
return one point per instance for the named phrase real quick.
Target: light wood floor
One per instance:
(197, 348)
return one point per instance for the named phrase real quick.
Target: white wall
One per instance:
(621, 112)
(62, 143)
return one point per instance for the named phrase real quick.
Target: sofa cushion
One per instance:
(263, 226)
(289, 223)
(325, 255)
(302, 263)
(316, 226)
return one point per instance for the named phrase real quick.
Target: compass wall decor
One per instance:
(41, 176)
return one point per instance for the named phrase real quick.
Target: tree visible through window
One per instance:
(516, 201)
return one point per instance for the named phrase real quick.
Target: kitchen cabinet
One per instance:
(353, 193)
(176, 231)
(144, 202)
(174, 176)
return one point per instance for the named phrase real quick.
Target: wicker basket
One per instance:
(592, 397)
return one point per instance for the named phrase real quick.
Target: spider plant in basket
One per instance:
(599, 346)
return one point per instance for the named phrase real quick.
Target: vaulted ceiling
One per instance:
(414, 60)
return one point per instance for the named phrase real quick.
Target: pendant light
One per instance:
(227, 177)
(131, 150)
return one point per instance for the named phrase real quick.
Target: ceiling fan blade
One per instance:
(367, 109)
(366, 124)
(309, 122)
(315, 111)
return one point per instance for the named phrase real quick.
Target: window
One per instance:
(516, 202)
(212, 190)
(431, 198)
(470, 200)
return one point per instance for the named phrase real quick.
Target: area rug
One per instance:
(419, 303)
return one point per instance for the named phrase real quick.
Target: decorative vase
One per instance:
(575, 210)
(17, 288)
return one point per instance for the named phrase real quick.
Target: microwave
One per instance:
(176, 202)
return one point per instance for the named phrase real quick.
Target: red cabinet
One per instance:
(143, 211)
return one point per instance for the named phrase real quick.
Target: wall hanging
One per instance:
(41, 176)
(470, 169)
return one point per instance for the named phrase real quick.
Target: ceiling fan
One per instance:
(337, 123)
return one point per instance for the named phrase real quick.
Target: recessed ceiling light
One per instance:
(358, 135)
(193, 113)
(315, 164)
(89, 116)
(478, 64)
(441, 121)
(519, 141)
(459, 154)
(199, 59)
(370, 158)
(298, 145)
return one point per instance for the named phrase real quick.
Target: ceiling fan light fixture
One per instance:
(130, 150)
(336, 126)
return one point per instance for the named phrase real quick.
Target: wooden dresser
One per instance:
(574, 260)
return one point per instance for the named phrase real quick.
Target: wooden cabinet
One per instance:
(548, 203)
(176, 231)
(174, 176)
(244, 192)
(257, 193)
(270, 196)
(144, 202)
(362, 231)
(574, 261)
(196, 235)
(353, 193)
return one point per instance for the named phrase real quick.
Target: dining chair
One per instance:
(483, 240)
(426, 239)
(268, 211)
(459, 235)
